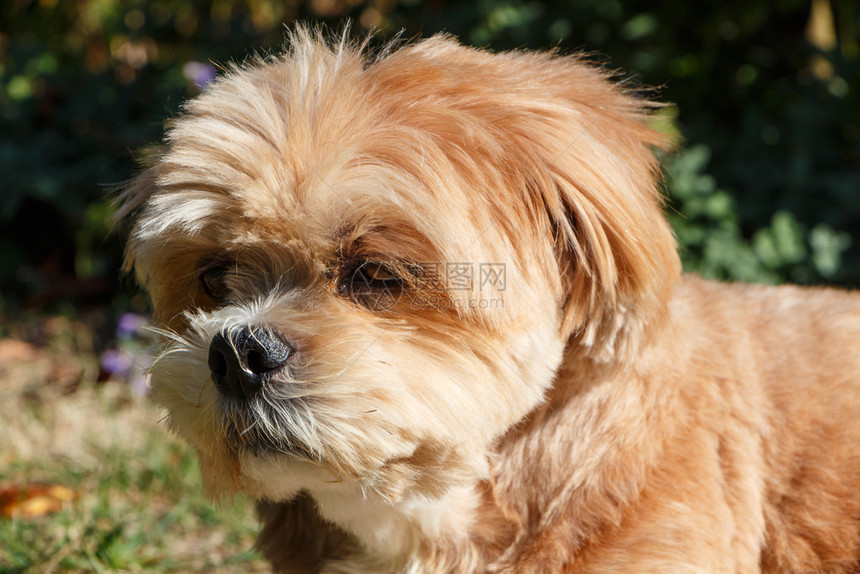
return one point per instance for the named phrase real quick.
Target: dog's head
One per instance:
(367, 269)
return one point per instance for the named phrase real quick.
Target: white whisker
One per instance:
(244, 432)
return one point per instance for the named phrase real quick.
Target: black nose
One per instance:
(241, 361)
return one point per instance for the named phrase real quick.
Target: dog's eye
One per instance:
(369, 277)
(378, 273)
(214, 284)
(374, 275)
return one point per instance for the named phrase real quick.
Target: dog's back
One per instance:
(785, 365)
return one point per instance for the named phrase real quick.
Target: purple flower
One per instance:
(129, 324)
(116, 362)
(199, 73)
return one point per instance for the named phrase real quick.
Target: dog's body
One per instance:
(603, 415)
(719, 450)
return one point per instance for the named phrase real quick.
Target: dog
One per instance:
(424, 306)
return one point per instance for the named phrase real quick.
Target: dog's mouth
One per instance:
(261, 445)
(262, 429)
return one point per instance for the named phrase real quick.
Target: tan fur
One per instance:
(605, 415)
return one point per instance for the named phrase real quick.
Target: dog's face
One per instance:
(367, 271)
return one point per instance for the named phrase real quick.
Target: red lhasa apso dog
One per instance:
(425, 307)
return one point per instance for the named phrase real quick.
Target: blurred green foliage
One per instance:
(766, 186)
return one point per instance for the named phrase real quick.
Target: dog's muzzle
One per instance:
(242, 361)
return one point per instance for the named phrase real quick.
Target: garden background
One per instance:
(764, 187)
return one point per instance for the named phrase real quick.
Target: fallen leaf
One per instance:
(34, 500)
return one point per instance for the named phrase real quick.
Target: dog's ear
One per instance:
(130, 200)
(129, 206)
(593, 168)
(583, 153)
(576, 150)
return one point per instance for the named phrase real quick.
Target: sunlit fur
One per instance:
(604, 414)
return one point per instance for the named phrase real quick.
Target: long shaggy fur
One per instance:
(604, 414)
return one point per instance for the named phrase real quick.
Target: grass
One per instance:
(138, 504)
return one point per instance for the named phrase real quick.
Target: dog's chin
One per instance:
(272, 462)
(262, 428)
(276, 447)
